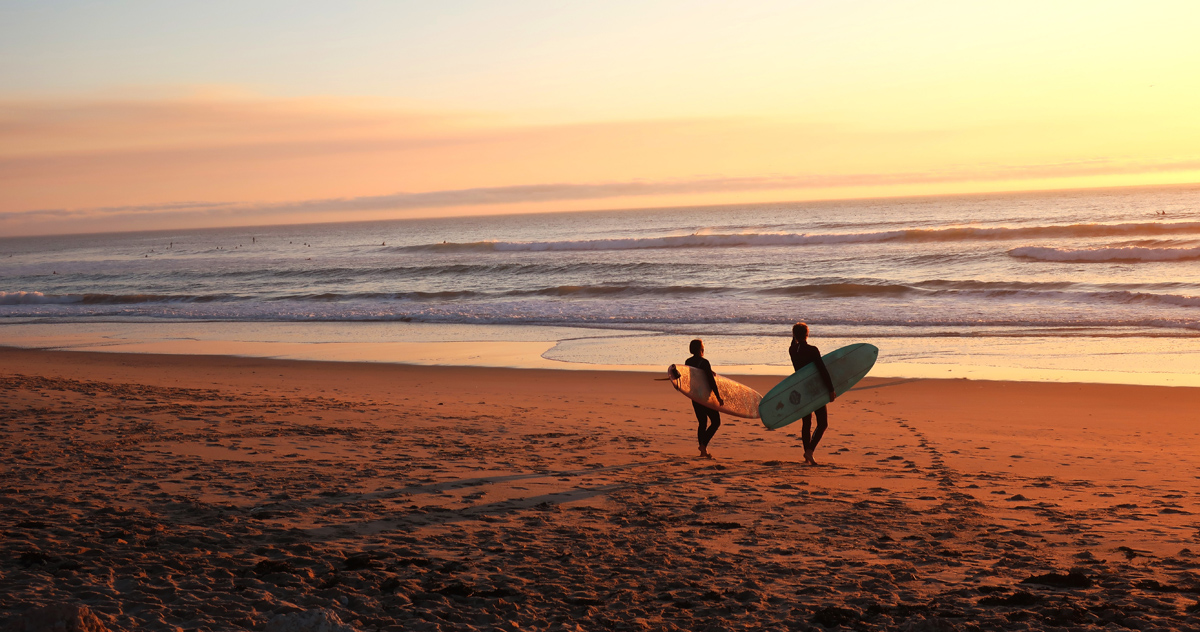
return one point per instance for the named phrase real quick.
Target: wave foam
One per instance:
(1167, 299)
(716, 240)
(33, 298)
(832, 289)
(39, 298)
(1105, 255)
(841, 290)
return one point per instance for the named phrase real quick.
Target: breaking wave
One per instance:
(39, 298)
(32, 298)
(349, 302)
(1106, 255)
(915, 235)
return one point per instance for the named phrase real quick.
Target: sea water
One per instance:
(1098, 285)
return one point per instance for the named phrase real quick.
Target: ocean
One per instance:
(1095, 285)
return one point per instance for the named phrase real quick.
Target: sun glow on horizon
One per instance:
(377, 110)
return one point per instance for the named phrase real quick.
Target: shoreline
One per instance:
(764, 376)
(208, 492)
(1035, 359)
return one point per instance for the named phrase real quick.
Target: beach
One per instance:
(359, 317)
(167, 492)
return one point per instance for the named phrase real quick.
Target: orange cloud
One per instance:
(119, 165)
(203, 213)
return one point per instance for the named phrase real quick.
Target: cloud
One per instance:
(79, 165)
(485, 197)
(62, 139)
(121, 211)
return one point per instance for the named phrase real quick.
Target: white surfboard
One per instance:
(740, 400)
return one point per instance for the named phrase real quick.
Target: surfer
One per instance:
(802, 355)
(704, 414)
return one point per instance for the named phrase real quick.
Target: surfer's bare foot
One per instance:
(704, 453)
(808, 458)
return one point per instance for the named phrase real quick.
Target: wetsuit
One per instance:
(804, 354)
(704, 414)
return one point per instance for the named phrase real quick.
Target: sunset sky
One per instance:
(131, 115)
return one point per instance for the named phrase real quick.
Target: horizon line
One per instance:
(911, 196)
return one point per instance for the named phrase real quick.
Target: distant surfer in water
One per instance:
(804, 354)
(704, 414)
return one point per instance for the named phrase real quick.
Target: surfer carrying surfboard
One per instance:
(704, 414)
(802, 355)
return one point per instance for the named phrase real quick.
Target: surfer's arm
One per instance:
(712, 382)
(712, 379)
(824, 371)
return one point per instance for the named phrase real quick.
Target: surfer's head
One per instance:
(800, 331)
(697, 347)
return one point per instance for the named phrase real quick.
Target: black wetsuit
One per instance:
(804, 354)
(704, 414)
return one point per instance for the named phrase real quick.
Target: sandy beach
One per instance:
(357, 316)
(164, 492)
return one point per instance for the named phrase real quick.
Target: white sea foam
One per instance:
(974, 308)
(33, 298)
(1106, 255)
(706, 239)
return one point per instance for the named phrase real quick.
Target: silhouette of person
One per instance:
(802, 355)
(704, 414)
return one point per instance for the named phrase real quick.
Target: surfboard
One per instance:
(804, 391)
(740, 400)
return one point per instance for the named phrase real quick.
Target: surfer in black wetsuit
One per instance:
(802, 355)
(704, 414)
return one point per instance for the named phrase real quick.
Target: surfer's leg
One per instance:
(822, 423)
(806, 437)
(806, 434)
(701, 426)
(714, 417)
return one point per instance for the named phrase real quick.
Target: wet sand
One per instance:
(211, 493)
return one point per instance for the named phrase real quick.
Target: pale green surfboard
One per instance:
(804, 391)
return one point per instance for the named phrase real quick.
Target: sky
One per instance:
(121, 115)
